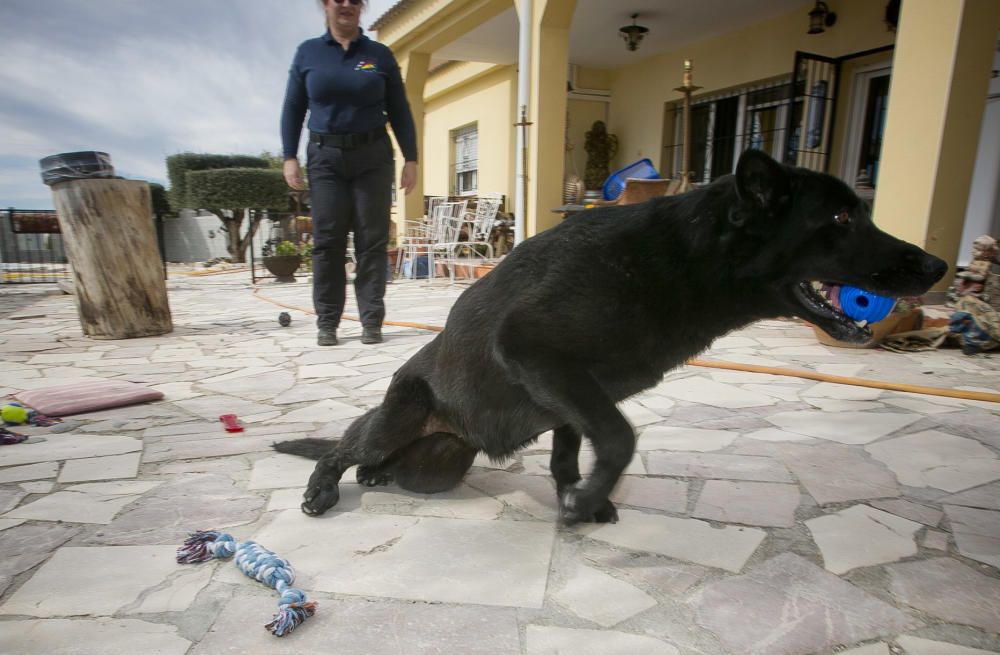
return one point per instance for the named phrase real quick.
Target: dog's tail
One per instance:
(310, 447)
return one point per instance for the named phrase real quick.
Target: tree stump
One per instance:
(110, 243)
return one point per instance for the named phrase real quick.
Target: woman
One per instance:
(351, 85)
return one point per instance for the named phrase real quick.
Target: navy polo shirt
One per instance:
(346, 92)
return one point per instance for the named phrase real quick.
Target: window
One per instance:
(466, 144)
(724, 125)
(875, 105)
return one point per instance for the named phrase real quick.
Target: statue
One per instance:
(600, 147)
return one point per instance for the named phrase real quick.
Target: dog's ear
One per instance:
(761, 181)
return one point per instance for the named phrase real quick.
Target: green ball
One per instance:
(13, 414)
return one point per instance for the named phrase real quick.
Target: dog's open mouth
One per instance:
(820, 302)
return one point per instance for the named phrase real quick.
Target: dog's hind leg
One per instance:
(564, 463)
(434, 463)
(431, 464)
(565, 467)
(370, 440)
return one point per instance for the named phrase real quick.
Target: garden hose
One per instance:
(746, 368)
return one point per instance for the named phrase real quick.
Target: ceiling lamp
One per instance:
(820, 18)
(633, 33)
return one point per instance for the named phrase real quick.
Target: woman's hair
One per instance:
(322, 4)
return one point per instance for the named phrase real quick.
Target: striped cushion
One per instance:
(86, 397)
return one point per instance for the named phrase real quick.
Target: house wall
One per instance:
(766, 50)
(471, 93)
(983, 214)
(941, 72)
(191, 238)
(582, 112)
(581, 115)
(198, 238)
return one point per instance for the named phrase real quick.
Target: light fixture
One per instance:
(633, 33)
(820, 18)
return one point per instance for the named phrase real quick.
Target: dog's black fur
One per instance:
(588, 313)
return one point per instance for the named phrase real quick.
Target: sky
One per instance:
(143, 79)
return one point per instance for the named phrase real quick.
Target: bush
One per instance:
(161, 204)
(286, 248)
(237, 188)
(179, 165)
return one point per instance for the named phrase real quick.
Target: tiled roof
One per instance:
(393, 11)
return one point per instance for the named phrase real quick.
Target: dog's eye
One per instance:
(843, 218)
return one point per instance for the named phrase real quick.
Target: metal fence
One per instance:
(279, 234)
(31, 247)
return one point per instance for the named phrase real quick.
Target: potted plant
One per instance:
(284, 261)
(601, 148)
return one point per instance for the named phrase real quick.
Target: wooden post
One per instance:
(110, 242)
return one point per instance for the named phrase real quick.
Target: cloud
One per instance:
(142, 80)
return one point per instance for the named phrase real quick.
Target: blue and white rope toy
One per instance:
(258, 563)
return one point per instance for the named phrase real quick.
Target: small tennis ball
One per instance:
(14, 414)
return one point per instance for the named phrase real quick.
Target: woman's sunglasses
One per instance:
(353, 2)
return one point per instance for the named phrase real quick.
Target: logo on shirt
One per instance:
(366, 65)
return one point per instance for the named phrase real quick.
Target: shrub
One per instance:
(179, 165)
(286, 248)
(237, 188)
(161, 204)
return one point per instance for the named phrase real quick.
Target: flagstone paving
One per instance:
(761, 513)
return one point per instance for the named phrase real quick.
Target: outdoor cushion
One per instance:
(86, 397)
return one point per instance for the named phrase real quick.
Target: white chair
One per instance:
(431, 242)
(416, 233)
(447, 224)
(472, 245)
(478, 225)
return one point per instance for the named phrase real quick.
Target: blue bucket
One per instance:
(615, 184)
(416, 268)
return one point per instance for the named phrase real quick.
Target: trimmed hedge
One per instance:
(161, 205)
(237, 188)
(179, 165)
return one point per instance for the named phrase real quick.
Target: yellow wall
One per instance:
(935, 112)
(592, 78)
(761, 51)
(487, 100)
(581, 115)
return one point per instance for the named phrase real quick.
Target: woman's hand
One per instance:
(408, 178)
(293, 174)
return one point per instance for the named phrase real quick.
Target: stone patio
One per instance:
(761, 515)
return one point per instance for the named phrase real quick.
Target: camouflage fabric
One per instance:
(977, 323)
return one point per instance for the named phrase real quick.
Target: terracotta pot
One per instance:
(483, 269)
(393, 258)
(283, 267)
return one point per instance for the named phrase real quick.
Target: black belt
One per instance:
(352, 140)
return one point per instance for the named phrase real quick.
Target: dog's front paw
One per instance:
(319, 497)
(576, 505)
(606, 514)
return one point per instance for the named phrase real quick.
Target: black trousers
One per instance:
(350, 190)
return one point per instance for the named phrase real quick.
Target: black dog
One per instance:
(586, 314)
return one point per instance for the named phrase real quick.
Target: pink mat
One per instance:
(86, 397)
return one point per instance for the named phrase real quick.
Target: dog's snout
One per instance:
(934, 267)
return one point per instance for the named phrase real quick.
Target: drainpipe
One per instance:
(523, 91)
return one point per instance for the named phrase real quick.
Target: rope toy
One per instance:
(258, 563)
(12, 413)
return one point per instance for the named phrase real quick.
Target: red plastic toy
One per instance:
(231, 423)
